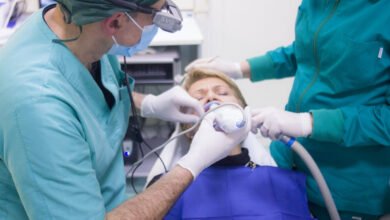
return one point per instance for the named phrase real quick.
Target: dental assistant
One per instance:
(339, 105)
(64, 114)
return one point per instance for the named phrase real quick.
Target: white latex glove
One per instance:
(169, 106)
(274, 123)
(231, 69)
(209, 146)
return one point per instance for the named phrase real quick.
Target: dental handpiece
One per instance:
(229, 118)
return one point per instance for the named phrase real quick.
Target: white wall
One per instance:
(236, 30)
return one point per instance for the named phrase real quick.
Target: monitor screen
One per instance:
(43, 3)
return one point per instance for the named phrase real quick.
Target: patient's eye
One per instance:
(221, 90)
(198, 95)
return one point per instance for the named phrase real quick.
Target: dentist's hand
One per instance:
(274, 123)
(231, 69)
(169, 106)
(209, 146)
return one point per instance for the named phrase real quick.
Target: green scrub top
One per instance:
(60, 143)
(341, 63)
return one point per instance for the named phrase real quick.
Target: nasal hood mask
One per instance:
(229, 118)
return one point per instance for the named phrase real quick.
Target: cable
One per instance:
(158, 156)
(134, 169)
(132, 179)
(135, 131)
(315, 171)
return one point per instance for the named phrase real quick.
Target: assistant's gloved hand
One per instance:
(169, 105)
(274, 123)
(209, 146)
(231, 69)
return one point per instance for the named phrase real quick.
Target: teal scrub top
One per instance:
(341, 63)
(60, 143)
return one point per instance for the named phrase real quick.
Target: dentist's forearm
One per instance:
(156, 200)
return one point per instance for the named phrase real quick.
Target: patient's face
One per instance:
(213, 89)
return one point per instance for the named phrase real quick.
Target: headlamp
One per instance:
(168, 18)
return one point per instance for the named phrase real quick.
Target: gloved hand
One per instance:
(169, 106)
(209, 146)
(274, 123)
(231, 69)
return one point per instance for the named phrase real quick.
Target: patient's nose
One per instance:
(211, 96)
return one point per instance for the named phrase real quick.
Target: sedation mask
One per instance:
(229, 117)
(168, 18)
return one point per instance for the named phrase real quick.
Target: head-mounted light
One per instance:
(168, 18)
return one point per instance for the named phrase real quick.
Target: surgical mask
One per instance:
(148, 33)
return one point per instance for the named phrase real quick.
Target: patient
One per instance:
(235, 186)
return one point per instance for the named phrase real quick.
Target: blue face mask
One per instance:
(148, 33)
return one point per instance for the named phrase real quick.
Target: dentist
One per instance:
(64, 113)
